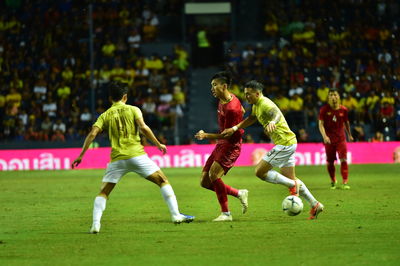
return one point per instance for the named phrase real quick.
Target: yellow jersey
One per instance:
(119, 121)
(282, 135)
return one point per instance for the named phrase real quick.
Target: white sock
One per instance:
(277, 178)
(98, 207)
(169, 197)
(306, 194)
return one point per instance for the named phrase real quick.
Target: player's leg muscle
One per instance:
(158, 178)
(205, 181)
(262, 168)
(216, 171)
(106, 189)
(289, 172)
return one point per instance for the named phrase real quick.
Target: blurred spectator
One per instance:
(58, 136)
(50, 107)
(59, 125)
(63, 91)
(295, 115)
(71, 134)
(283, 102)
(85, 118)
(181, 58)
(46, 127)
(378, 137)
(31, 134)
(156, 79)
(358, 132)
(302, 135)
(351, 104)
(271, 27)
(13, 97)
(149, 112)
(349, 86)
(134, 40)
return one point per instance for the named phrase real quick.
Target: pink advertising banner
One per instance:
(192, 156)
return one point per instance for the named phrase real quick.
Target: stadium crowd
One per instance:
(316, 45)
(313, 46)
(45, 66)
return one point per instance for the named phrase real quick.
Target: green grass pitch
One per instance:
(45, 217)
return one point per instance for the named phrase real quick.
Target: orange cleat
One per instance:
(317, 209)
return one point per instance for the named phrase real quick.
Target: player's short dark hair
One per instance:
(255, 85)
(224, 77)
(117, 90)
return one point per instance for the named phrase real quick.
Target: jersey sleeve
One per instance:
(100, 122)
(233, 116)
(137, 113)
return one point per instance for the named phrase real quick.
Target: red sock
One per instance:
(344, 170)
(231, 191)
(220, 190)
(331, 171)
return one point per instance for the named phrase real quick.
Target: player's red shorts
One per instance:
(331, 149)
(225, 154)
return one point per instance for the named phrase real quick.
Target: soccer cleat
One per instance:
(182, 218)
(333, 185)
(345, 186)
(95, 228)
(295, 189)
(243, 197)
(317, 209)
(223, 218)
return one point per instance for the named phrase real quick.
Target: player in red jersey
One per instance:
(227, 150)
(333, 122)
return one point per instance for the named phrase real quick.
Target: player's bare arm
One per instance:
(89, 139)
(251, 119)
(348, 131)
(275, 117)
(200, 135)
(148, 133)
(321, 127)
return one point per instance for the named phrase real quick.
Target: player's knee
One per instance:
(158, 178)
(103, 194)
(214, 175)
(260, 173)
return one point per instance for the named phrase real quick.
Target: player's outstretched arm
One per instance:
(243, 124)
(89, 139)
(148, 133)
(200, 135)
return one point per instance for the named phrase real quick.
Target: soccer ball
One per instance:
(292, 205)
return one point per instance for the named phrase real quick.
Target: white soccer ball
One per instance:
(292, 205)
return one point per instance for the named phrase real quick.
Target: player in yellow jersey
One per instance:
(123, 123)
(282, 154)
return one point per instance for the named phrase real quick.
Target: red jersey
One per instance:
(334, 122)
(229, 115)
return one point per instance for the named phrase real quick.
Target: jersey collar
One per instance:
(259, 100)
(118, 103)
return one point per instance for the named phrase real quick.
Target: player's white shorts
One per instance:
(142, 165)
(281, 156)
